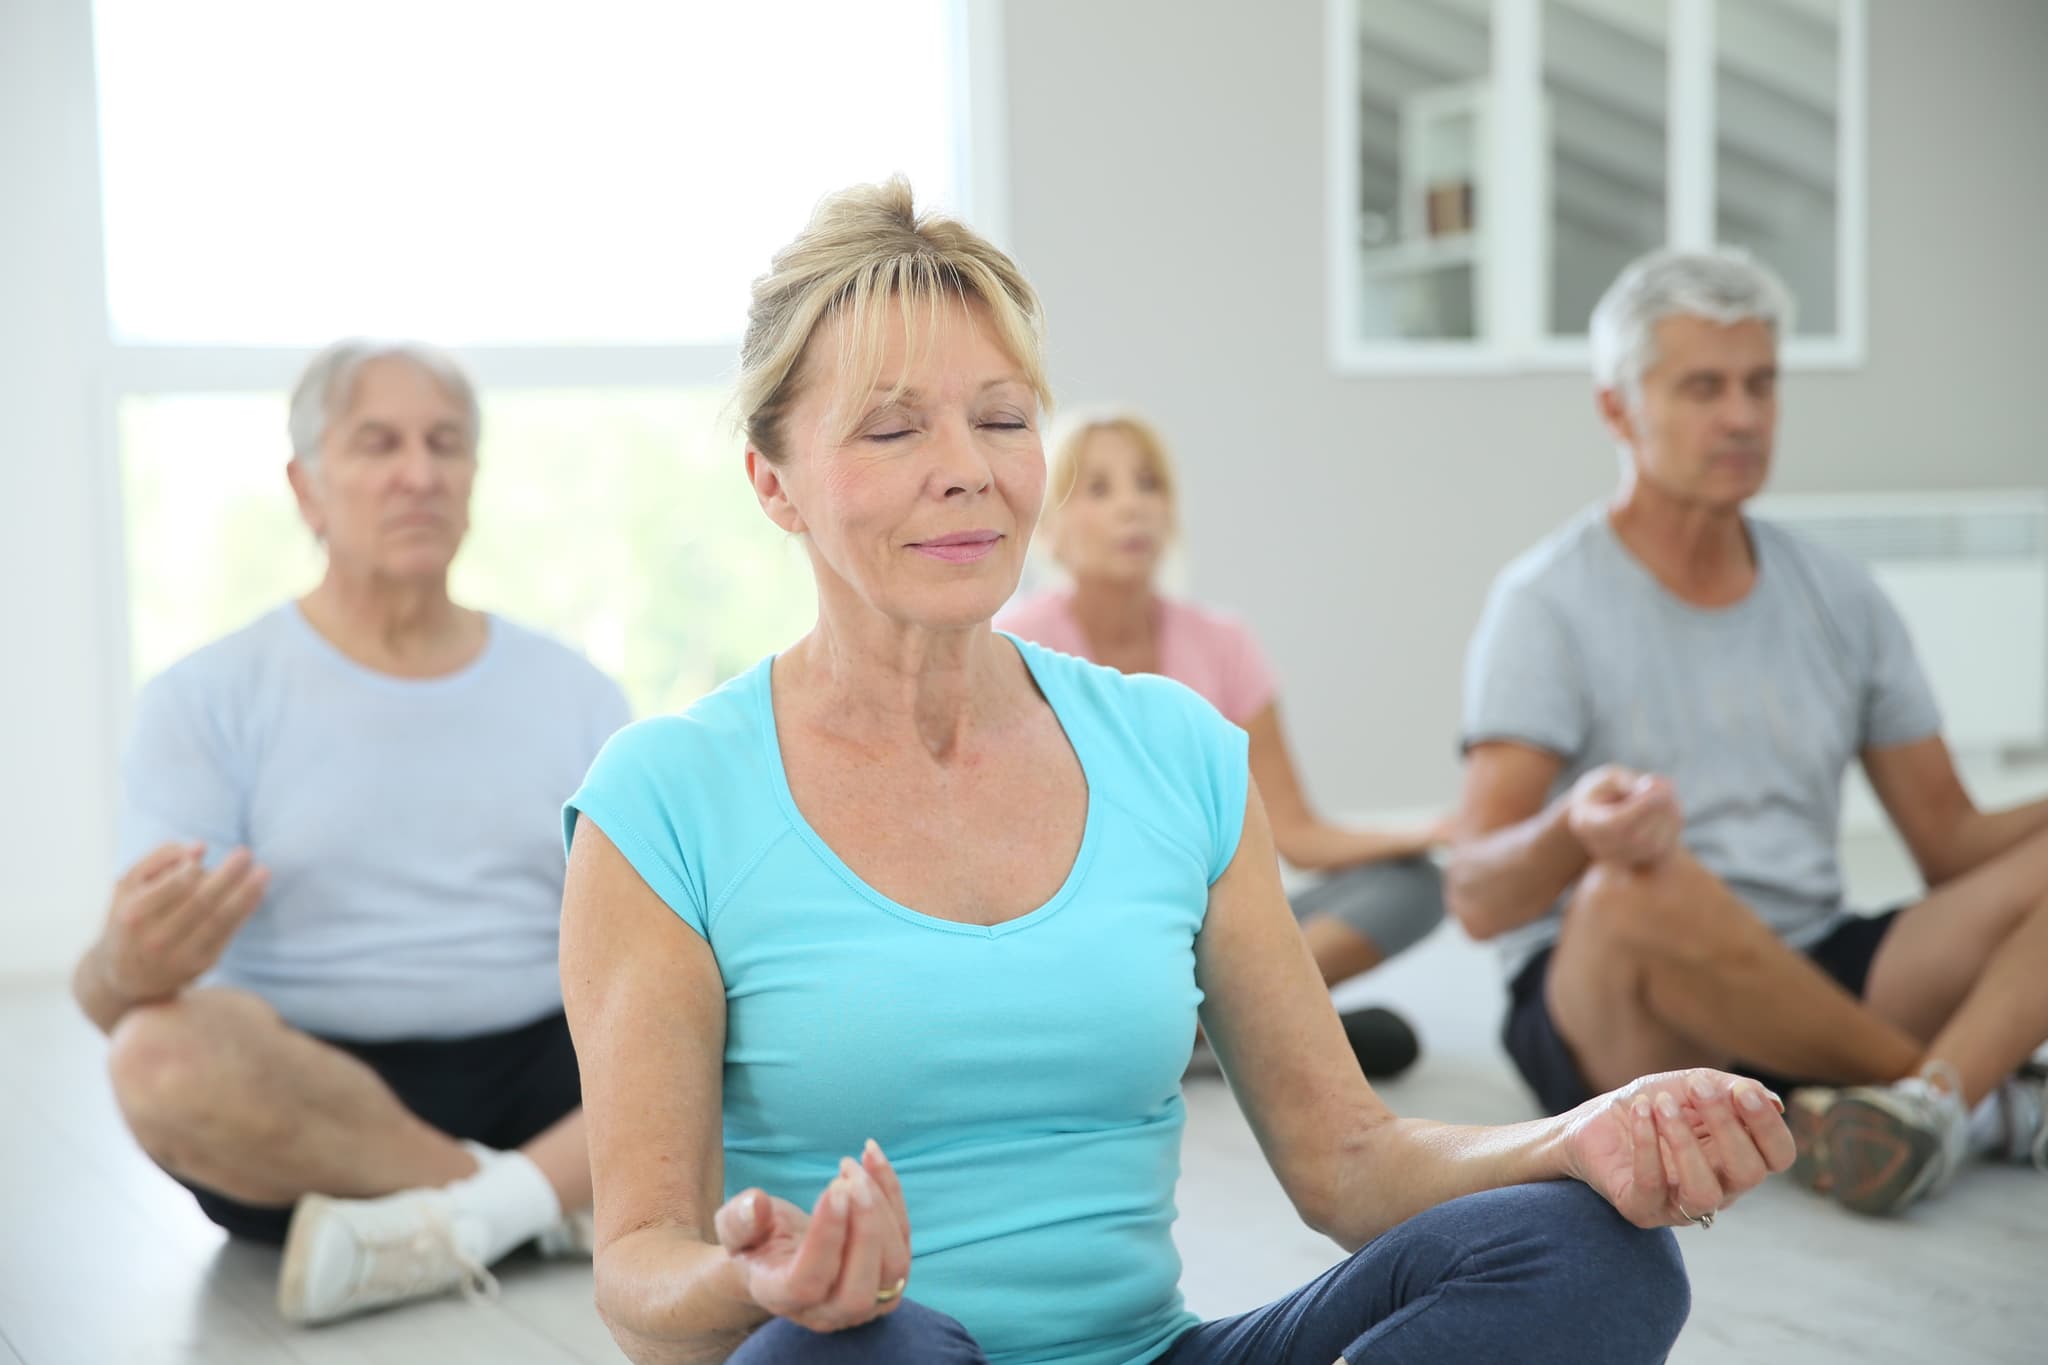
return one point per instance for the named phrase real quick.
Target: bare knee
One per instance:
(166, 1061)
(1664, 913)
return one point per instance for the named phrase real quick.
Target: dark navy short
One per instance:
(1547, 1065)
(500, 1089)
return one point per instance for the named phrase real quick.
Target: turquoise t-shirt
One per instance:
(1023, 1077)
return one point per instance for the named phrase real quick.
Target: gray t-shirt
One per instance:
(412, 826)
(1754, 711)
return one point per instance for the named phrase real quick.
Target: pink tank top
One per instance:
(1209, 651)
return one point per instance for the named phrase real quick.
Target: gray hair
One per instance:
(329, 381)
(1724, 285)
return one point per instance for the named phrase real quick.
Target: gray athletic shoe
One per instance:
(2023, 1116)
(1806, 1112)
(1889, 1146)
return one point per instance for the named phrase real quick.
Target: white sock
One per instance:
(507, 1202)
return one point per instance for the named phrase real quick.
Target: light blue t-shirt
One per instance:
(410, 825)
(1024, 1078)
(1754, 710)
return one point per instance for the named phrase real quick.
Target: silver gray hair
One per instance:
(1724, 285)
(329, 381)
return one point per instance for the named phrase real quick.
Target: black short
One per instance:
(1546, 1062)
(500, 1089)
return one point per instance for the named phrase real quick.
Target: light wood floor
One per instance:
(105, 1262)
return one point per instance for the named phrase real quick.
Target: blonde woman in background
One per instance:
(1110, 515)
(882, 959)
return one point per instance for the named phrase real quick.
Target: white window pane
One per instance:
(1777, 78)
(284, 172)
(1422, 70)
(618, 521)
(1605, 97)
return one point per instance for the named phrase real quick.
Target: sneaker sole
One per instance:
(291, 1275)
(1810, 1164)
(1878, 1160)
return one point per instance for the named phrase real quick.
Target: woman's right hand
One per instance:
(843, 1264)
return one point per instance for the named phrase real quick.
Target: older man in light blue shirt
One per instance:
(329, 974)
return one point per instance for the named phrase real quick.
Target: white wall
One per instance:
(60, 669)
(1167, 197)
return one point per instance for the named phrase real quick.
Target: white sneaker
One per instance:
(347, 1256)
(1889, 1146)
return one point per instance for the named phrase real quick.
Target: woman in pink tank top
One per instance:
(1109, 517)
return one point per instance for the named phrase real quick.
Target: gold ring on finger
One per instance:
(892, 1293)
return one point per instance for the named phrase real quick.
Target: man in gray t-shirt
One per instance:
(1661, 700)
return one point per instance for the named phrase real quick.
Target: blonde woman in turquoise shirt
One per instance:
(882, 959)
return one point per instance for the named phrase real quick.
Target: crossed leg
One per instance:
(224, 1094)
(1665, 967)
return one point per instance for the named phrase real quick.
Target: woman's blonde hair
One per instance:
(1067, 451)
(864, 247)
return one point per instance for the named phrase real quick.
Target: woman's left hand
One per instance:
(1669, 1148)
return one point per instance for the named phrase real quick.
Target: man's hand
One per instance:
(1626, 817)
(171, 919)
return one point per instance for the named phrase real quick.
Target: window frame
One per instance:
(1513, 266)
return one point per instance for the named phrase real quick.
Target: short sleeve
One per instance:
(1898, 705)
(1226, 768)
(623, 795)
(1522, 679)
(179, 777)
(1213, 764)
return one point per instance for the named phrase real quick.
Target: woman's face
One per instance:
(920, 505)
(389, 493)
(1115, 525)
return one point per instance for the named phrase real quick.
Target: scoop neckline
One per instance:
(1060, 899)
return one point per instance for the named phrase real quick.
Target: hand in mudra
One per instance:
(171, 918)
(840, 1265)
(1674, 1147)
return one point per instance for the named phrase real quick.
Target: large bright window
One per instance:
(573, 199)
(280, 172)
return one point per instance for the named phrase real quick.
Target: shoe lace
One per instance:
(416, 1262)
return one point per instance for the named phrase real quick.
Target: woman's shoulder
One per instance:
(1152, 709)
(703, 743)
(1154, 748)
(687, 798)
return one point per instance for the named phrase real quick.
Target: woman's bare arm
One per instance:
(646, 1006)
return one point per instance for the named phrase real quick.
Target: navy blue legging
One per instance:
(1537, 1274)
